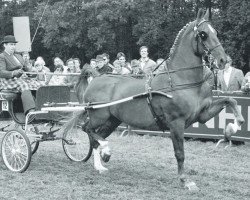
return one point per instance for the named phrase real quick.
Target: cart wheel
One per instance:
(16, 151)
(34, 147)
(77, 144)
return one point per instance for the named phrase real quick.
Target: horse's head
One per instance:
(206, 39)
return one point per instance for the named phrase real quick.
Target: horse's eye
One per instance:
(203, 35)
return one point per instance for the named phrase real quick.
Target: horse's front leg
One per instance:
(217, 106)
(177, 136)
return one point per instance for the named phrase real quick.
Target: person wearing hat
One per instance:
(12, 67)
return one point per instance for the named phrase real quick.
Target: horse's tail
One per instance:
(77, 119)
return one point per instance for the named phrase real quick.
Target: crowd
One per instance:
(12, 67)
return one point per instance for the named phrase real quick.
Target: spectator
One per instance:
(71, 80)
(162, 65)
(77, 63)
(26, 58)
(117, 67)
(101, 67)
(92, 63)
(147, 65)
(230, 79)
(12, 67)
(125, 66)
(245, 86)
(42, 70)
(136, 70)
(107, 60)
(58, 79)
(59, 63)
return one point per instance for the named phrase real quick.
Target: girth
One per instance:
(149, 101)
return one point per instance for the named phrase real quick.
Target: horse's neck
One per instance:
(184, 57)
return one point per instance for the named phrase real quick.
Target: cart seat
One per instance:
(9, 95)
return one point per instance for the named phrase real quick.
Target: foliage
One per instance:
(85, 28)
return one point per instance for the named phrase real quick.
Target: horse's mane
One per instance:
(177, 41)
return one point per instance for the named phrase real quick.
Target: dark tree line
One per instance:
(85, 28)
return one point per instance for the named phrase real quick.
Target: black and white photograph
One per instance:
(124, 99)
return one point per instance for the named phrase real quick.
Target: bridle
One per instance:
(201, 36)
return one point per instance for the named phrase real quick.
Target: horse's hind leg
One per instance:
(100, 145)
(177, 136)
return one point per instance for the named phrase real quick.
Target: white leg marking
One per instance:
(97, 161)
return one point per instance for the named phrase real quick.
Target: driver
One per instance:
(12, 67)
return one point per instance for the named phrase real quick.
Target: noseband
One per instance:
(199, 36)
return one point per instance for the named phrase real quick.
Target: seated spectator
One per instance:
(136, 70)
(77, 63)
(126, 67)
(26, 58)
(107, 60)
(230, 78)
(117, 67)
(59, 63)
(101, 67)
(162, 65)
(57, 79)
(42, 70)
(71, 80)
(93, 63)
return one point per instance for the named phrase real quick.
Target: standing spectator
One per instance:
(77, 63)
(245, 86)
(147, 65)
(101, 67)
(12, 67)
(71, 80)
(93, 63)
(230, 79)
(107, 60)
(42, 70)
(125, 66)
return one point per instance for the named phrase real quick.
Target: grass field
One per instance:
(140, 168)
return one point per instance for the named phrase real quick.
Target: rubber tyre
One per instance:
(34, 147)
(79, 148)
(16, 151)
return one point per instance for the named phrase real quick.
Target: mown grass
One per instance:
(141, 168)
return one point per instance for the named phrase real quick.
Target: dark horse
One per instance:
(191, 96)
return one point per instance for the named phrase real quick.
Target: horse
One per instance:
(189, 97)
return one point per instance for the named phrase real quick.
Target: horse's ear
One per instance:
(207, 15)
(199, 14)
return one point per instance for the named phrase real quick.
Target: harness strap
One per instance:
(156, 118)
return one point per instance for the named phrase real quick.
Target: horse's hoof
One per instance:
(103, 171)
(106, 157)
(191, 186)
